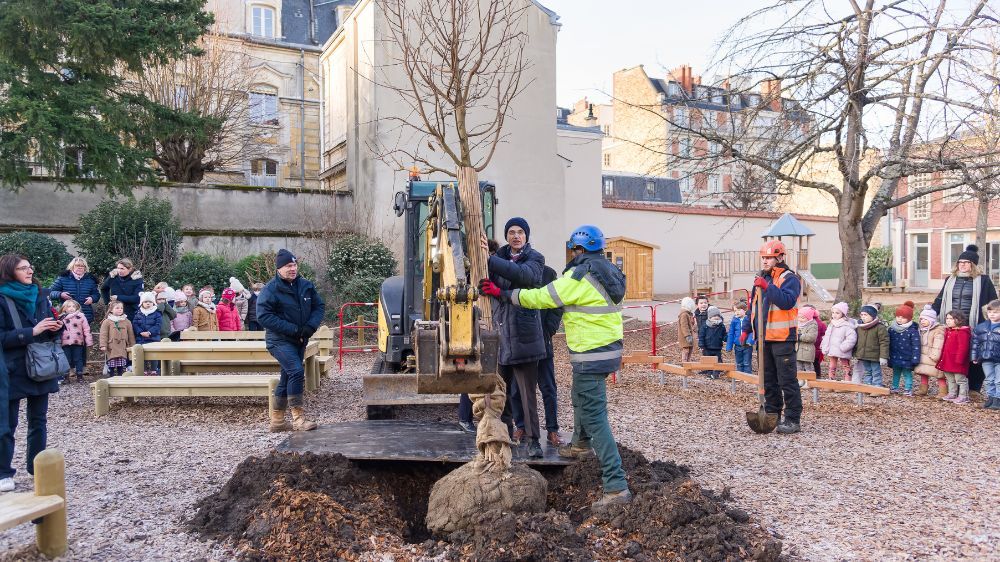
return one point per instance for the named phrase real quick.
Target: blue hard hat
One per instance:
(588, 236)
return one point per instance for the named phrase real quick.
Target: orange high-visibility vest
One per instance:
(781, 325)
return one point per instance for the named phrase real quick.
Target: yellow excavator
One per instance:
(432, 343)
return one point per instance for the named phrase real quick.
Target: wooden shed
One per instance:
(635, 259)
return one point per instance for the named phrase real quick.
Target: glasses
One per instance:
(24, 268)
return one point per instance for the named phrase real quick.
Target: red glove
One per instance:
(760, 282)
(487, 287)
(743, 338)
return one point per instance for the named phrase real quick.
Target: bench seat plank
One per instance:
(19, 508)
(843, 386)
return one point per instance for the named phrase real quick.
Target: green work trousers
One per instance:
(591, 427)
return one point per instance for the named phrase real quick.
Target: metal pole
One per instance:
(302, 118)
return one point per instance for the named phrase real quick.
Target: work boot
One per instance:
(467, 427)
(922, 391)
(534, 449)
(518, 436)
(575, 451)
(788, 427)
(996, 404)
(79, 377)
(612, 498)
(278, 422)
(554, 439)
(299, 421)
(988, 402)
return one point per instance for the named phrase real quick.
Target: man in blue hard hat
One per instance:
(590, 292)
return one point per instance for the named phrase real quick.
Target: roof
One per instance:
(788, 225)
(632, 240)
(295, 20)
(553, 17)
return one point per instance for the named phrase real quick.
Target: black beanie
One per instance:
(971, 253)
(518, 221)
(283, 258)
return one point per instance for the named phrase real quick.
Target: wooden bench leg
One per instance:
(102, 398)
(50, 480)
(663, 379)
(684, 382)
(271, 386)
(861, 398)
(732, 386)
(310, 383)
(815, 396)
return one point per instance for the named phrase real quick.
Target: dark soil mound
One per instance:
(322, 507)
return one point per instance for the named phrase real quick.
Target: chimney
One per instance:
(342, 12)
(770, 90)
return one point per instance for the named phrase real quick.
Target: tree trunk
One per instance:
(472, 203)
(853, 248)
(982, 220)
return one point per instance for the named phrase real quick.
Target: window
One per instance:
(674, 89)
(650, 189)
(681, 117)
(607, 159)
(263, 108)
(714, 183)
(685, 183)
(717, 97)
(264, 172)
(609, 187)
(956, 245)
(920, 208)
(606, 129)
(702, 93)
(686, 147)
(263, 21)
(714, 148)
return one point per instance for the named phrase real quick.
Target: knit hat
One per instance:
(869, 310)
(714, 311)
(283, 258)
(147, 297)
(971, 253)
(235, 285)
(928, 313)
(204, 292)
(178, 296)
(687, 303)
(518, 221)
(228, 294)
(842, 308)
(905, 310)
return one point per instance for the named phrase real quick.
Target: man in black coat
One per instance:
(517, 266)
(290, 310)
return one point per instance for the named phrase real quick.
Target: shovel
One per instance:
(760, 421)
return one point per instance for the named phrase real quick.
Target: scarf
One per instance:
(838, 322)
(902, 327)
(946, 297)
(869, 324)
(147, 312)
(209, 307)
(182, 309)
(715, 321)
(77, 277)
(930, 327)
(23, 295)
(116, 319)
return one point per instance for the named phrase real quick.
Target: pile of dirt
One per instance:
(320, 507)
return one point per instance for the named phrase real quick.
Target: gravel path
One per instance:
(896, 479)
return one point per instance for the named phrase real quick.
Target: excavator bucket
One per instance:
(437, 373)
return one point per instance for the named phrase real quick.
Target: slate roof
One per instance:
(632, 187)
(295, 20)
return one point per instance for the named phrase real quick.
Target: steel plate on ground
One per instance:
(393, 440)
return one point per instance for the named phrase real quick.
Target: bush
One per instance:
(880, 266)
(259, 268)
(46, 254)
(200, 270)
(145, 231)
(357, 267)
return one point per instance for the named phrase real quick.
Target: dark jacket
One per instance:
(148, 323)
(127, 289)
(904, 346)
(86, 287)
(289, 312)
(733, 336)
(986, 342)
(251, 311)
(961, 296)
(712, 338)
(551, 317)
(15, 344)
(700, 318)
(521, 337)
(167, 314)
(873, 343)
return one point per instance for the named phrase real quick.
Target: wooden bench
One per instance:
(748, 378)
(184, 385)
(859, 389)
(324, 362)
(47, 502)
(194, 335)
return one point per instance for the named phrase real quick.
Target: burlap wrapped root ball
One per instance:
(465, 493)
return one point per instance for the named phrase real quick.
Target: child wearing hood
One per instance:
(931, 344)
(805, 344)
(147, 327)
(226, 312)
(872, 348)
(76, 338)
(954, 361)
(687, 328)
(240, 299)
(185, 316)
(744, 352)
(712, 336)
(204, 313)
(838, 342)
(904, 348)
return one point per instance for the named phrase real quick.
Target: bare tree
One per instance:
(203, 120)
(840, 78)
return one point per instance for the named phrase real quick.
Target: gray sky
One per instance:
(600, 37)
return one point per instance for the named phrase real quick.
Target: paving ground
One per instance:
(896, 479)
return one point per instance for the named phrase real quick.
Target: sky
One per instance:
(600, 37)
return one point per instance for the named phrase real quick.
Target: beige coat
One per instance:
(686, 326)
(205, 319)
(931, 344)
(805, 347)
(116, 337)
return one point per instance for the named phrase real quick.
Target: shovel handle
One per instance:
(758, 300)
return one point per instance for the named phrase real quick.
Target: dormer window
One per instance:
(674, 89)
(262, 21)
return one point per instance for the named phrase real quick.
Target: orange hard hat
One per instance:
(772, 249)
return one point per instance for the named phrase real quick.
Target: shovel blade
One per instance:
(761, 422)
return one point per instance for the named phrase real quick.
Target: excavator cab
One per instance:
(432, 344)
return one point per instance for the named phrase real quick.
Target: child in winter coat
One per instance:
(712, 336)
(904, 348)
(251, 323)
(184, 318)
(954, 362)
(986, 350)
(147, 327)
(204, 313)
(743, 353)
(76, 337)
(931, 343)
(226, 312)
(808, 331)
(838, 342)
(687, 328)
(116, 338)
(872, 348)
(818, 344)
(701, 316)
(167, 312)
(241, 298)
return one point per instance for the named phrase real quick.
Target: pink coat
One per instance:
(182, 321)
(76, 330)
(839, 341)
(229, 318)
